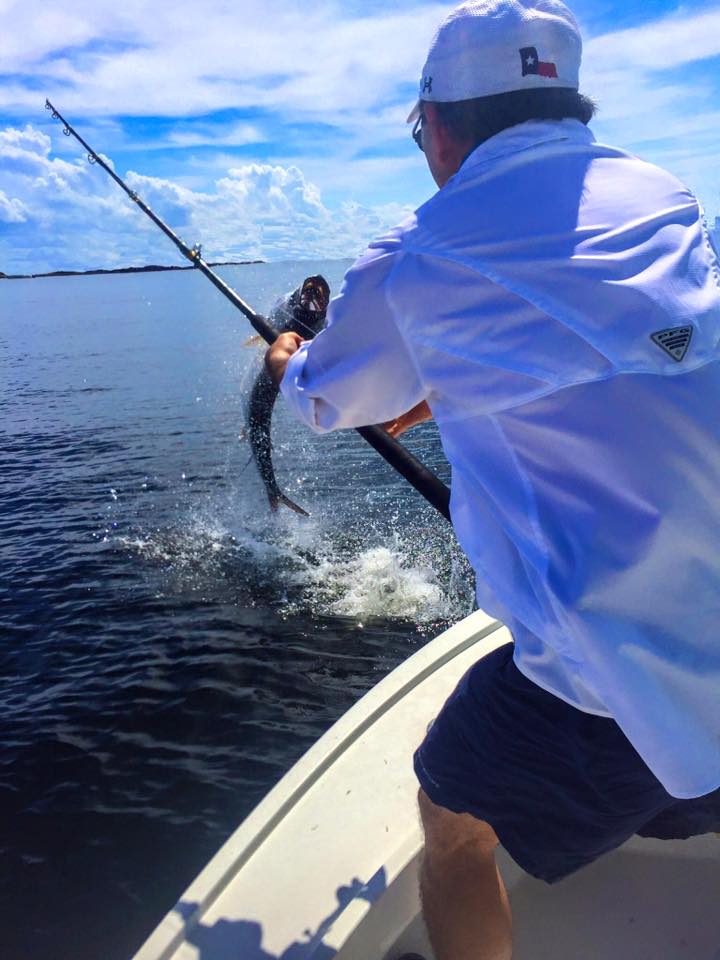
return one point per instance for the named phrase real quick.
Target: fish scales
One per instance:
(304, 313)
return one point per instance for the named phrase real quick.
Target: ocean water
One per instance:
(168, 646)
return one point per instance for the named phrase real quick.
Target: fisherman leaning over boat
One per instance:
(556, 305)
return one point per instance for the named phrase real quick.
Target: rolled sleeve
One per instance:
(359, 370)
(302, 403)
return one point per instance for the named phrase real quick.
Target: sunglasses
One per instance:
(417, 131)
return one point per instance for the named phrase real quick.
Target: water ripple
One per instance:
(167, 646)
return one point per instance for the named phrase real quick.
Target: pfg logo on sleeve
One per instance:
(674, 341)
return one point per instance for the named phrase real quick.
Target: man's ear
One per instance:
(448, 152)
(432, 119)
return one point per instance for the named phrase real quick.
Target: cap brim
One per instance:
(414, 113)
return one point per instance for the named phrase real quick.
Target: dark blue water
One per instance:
(169, 647)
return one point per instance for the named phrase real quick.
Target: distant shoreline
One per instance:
(150, 268)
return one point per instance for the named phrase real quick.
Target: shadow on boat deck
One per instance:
(242, 939)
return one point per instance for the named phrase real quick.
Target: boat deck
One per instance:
(325, 868)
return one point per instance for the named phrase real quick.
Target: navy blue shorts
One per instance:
(560, 787)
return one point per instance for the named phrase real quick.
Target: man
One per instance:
(556, 306)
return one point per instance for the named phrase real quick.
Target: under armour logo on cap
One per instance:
(675, 342)
(426, 86)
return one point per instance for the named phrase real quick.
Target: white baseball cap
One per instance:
(486, 47)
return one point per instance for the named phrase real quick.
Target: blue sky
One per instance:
(275, 129)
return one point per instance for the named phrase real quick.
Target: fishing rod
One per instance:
(408, 466)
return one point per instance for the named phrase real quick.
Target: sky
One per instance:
(275, 129)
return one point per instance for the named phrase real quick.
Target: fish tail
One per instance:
(277, 498)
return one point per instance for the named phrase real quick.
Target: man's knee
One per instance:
(446, 831)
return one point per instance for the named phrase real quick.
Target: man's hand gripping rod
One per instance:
(408, 466)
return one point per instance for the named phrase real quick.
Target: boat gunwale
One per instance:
(245, 841)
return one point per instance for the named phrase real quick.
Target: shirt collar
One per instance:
(525, 136)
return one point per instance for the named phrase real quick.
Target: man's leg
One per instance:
(465, 905)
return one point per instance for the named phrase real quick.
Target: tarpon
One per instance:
(303, 312)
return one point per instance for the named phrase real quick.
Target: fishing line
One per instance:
(408, 466)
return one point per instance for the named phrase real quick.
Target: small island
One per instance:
(149, 268)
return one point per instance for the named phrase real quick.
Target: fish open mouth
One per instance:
(315, 294)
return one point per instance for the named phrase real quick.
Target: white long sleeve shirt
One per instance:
(529, 302)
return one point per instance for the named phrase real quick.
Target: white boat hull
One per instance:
(326, 866)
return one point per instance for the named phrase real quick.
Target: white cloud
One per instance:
(71, 216)
(331, 63)
(12, 210)
(660, 45)
(655, 101)
(26, 139)
(632, 72)
(178, 59)
(215, 135)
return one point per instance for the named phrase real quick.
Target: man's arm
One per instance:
(276, 358)
(418, 414)
(287, 344)
(359, 370)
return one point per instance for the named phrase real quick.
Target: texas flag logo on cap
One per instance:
(532, 65)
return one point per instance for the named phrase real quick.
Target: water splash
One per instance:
(310, 567)
(378, 583)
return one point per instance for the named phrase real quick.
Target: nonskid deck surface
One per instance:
(326, 866)
(649, 900)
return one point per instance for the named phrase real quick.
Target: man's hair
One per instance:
(474, 121)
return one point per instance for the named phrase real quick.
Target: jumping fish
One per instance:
(303, 312)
